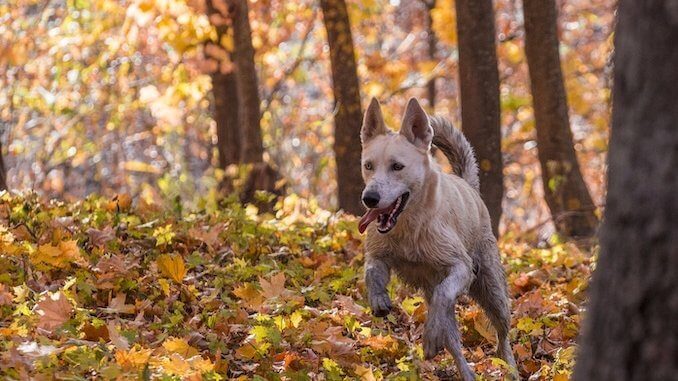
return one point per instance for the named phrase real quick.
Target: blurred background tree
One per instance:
(154, 97)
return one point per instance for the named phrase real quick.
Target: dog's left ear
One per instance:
(416, 126)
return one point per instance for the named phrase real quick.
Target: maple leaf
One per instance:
(365, 373)
(249, 294)
(179, 346)
(132, 359)
(100, 237)
(172, 266)
(59, 256)
(53, 310)
(209, 237)
(273, 288)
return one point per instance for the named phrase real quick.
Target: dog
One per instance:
(429, 227)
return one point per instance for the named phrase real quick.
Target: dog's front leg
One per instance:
(441, 329)
(377, 275)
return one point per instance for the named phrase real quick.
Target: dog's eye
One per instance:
(368, 166)
(397, 167)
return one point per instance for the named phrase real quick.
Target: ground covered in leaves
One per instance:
(103, 290)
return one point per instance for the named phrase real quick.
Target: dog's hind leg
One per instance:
(489, 290)
(441, 329)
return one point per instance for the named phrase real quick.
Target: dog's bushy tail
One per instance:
(457, 149)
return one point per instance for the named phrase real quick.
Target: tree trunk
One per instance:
(630, 332)
(348, 114)
(565, 191)
(252, 147)
(225, 103)
(3, 172)
(224, 90)
(480, 111)
(432, 40)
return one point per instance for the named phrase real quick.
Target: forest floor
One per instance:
(99, 290)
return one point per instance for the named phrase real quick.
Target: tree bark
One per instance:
(252, 147)
(225, 102)
(348, 114)
(432, 40)
(564, 189)
(630, 332)
(3, 172)
(224, 90)
(480, 109)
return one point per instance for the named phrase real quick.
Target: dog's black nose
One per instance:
(371, 199)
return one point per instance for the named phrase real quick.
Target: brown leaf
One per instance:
(100, 237)
(117, 305)
(273, 288)
(53, 311)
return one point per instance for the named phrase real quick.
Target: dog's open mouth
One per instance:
(386, 217)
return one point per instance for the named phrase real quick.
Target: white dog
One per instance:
(432, 229)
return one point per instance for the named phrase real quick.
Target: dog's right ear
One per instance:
(373, 122)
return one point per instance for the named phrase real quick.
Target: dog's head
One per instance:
(394, 165)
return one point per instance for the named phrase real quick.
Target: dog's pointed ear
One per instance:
(373, 122)
(416, 126)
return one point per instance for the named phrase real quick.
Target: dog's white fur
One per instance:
(442, 242)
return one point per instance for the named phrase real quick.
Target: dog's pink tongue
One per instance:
(370, 216)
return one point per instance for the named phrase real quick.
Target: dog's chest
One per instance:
(420, 275)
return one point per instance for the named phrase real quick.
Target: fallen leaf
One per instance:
(273, 288)
(172, 266)
(53, 311)
(179, 346)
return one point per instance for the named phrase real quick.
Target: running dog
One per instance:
(431, 228)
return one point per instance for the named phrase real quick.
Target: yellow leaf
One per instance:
(249, 294)
(179, 346)
(172, 266)
(165, 286)
(364, 373)
(296, 318)
(484, 327)
(135, 358)
(60, 256)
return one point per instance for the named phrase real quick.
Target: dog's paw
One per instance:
(438, 334)
(380, 304)
(435, 339)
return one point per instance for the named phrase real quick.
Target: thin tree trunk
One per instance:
(225, 106)
(3, 172)
(252, 147)
(348, 114)
(630, 332)
(480, 111)
(565, 191)
(432, 40)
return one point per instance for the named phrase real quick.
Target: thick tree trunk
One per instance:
(348, 114)
(565, 191)
(224, 90)
(480, 110)
(225, 102)
(630, 332)
(252, 147)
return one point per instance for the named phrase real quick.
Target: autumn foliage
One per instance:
(101, 287)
